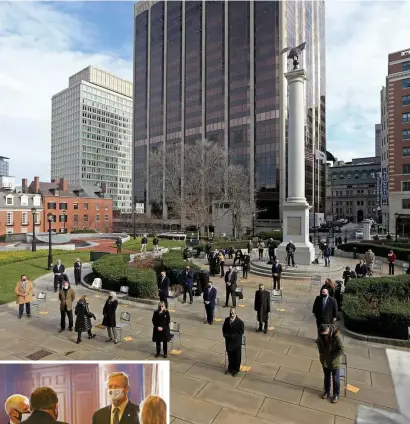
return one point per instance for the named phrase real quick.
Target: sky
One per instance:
(43, 43)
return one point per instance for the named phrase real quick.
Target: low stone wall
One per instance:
(91, 236)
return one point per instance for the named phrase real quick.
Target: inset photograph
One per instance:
(85, 392)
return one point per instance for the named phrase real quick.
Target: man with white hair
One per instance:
(121, 408)
(144, 242)
(16, 406)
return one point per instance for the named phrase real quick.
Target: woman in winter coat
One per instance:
(109, 320)
(77, 271)
(161, 332)
(330, 286)
(83, 319)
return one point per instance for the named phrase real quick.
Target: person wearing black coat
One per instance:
(77, 271)
(161, 333)
(163, 288)
(246, 265)
(361, 269)
(188, 281)
(238, 257)
(109, 320)
(209, 301)
(83, 319)
(44, 407)
(231, 277)
(324, 309)
(233, 330)
(262, 307)
(276, 274)
(58, 271)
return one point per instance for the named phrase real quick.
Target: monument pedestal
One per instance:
(296, 229)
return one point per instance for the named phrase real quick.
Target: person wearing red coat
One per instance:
(391, 257)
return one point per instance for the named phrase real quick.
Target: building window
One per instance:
(63, 218)
(406, 83)
(97, 217)
(106, 205)
(406, 117)
(9, 231)
(24, 218)
(106, 218)
(406, 168)
(63, 206)
(406, 134)
(9, 200)
(51, 205)
(75, 218)
(36, 201)
(75, 205)
(85, 205)
(349, 176)
(37, 218)
(405, 186)
(9, 218)
(85, 218)
(406, 151)
(97, 207)
(405, 66)
(405, 204)
(406, 100)
(342, 176)
(24, 201)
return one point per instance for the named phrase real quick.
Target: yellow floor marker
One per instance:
(175, 352)
(245, 368)
(352, 389)
(172, 310)
(241, 306)
(128, 338)
(123, 305)
(43, 312)
(271, 328)
(281, 310)
(102, 327)
(218, 319)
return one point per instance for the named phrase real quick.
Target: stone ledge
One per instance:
(376, 339)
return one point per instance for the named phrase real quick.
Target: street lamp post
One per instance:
(134, 224)
(396, 215)
(33, 241)
(65, 218)
(50, 254)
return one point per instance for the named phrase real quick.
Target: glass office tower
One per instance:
(213, 69)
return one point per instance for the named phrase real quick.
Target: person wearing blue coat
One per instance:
(210, 300)
(188, 281)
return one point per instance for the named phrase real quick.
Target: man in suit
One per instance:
(16, 406)
(66, 297)
(121, 410)
(262, 307)
(290, 251)
(163, 288)
(58, 271)
(188, 279)
(230, 284)
(233, 330)
(276, 274)
(209, 301)
(324, 308)
(44, 407)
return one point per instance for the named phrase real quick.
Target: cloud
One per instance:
(359, 37)
(40, 47)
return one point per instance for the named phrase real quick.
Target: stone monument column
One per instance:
(296, 208)
(366, 229)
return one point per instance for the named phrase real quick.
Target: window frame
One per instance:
(405, 83)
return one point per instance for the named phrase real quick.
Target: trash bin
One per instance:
(332, 251)
(355, 253)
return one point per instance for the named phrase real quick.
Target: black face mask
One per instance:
(109, 297)
(324, 295)
(19, 416)
(232, 315)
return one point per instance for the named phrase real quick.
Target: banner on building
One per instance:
(385, 187)
(139, 208)
(379, 188)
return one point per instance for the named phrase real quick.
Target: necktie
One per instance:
(116, 419)
(324, 304)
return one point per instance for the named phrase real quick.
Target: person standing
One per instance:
(221, 259)
(348, 274)
(330, 286)
(233, 330)
(153, 410)
(238, 257)
(83, 319)
(44, 407)
(324, 309)
(66, 297)
(326, 254)
(77, 271)
(58, 271)
(208, 249)
(361, 269)
(369, 258)
(230, 286)
(209, 301)
(246, 263)
(290, 251)
(262, 307)
(161, 333)
(144, 242)
(163, 288)
(118, 243)
(330, 347)
(276, 274)
(188, 280)
(24, 293)
(109, 320)
(155, 243)
(261, 247)
(391, 257)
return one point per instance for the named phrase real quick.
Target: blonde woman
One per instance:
(153, 410)
(109, 320)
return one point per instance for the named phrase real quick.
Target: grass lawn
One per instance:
(33, 268)
(136, 244)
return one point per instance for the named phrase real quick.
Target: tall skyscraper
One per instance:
(384, 156)
(91, 132)
(213, 69)
(377, 139)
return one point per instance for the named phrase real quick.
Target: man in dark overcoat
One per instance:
(324, 308)
(262, 307)
(233, 330)
(163, 288)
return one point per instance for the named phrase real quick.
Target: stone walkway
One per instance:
(284, 381)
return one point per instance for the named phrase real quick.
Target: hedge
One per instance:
(10, 257)
(174, 265)
(115, 271)
(378, 249)
(378, 306)
(266, 235)
(242, 244)
(83, 231)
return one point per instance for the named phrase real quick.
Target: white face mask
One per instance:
(65, 287)
(115, 394)
(25, 417)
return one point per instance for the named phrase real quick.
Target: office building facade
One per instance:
(377, 139)
(213, 70)
(91, 134)
(384, 157)
(7, 182)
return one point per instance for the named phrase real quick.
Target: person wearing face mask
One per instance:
(163, 288)
(209, 301)
(276, 274)
(262, 307)
(324, 309)
(188, 280)
(233, 329)
(24, 293)
(330, 347)
(17, 408)
(44, 407)
(77, 271)
(121, 410)
(161, 332)
(83, 320)
(246, 265)
(58, 271)
(230, 286)
(109, 319)
(66, 297)
(361, 269)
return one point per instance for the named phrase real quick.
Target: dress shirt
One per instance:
(120, 413)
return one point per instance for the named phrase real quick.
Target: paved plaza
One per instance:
(284, 380)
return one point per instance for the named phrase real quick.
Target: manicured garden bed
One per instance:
(135, 245)
(382, 250)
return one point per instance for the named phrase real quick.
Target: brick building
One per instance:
(73, 207)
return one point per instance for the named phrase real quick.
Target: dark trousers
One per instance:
(209, 309)
(164, 347)
(264, 325)
(222, 264)
(245, 271)
(164, 299)
(21, 309)
(230, 256)
(334, 375)
(234, 359)
(327, 261)
(70, 318)
(58, 282)
(236, 259)
(276, 282)
(77, 276)
(260, 254)
(391, 269)
(188, 289)
(79, 334)
(230, 291)
(291, 257)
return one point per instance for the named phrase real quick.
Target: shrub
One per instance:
(174, 265)
(378, 249)
(381, 287)
(24, 255)
(276, 235)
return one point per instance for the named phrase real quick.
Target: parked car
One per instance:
(359, 234)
